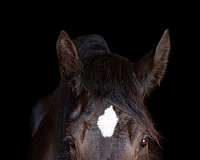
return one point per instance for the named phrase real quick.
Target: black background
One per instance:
(131, 30)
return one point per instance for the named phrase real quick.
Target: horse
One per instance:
(97, 87)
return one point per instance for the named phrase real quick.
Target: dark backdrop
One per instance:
(130, 31)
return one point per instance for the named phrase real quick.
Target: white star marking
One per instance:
(107, 122)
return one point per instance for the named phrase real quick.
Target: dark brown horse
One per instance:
(66, 124)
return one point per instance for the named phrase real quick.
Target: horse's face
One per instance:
(93, 135)
(109, 89)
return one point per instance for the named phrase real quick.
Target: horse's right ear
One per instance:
(69, 63)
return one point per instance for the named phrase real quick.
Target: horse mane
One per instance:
(104, 71)
(91, 45)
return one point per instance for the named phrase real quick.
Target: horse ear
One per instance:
(67, 56)
(150, 70)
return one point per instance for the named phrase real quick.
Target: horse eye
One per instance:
(144, 142)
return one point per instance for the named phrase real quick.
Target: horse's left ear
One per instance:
(151, 68)
(69, 63)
